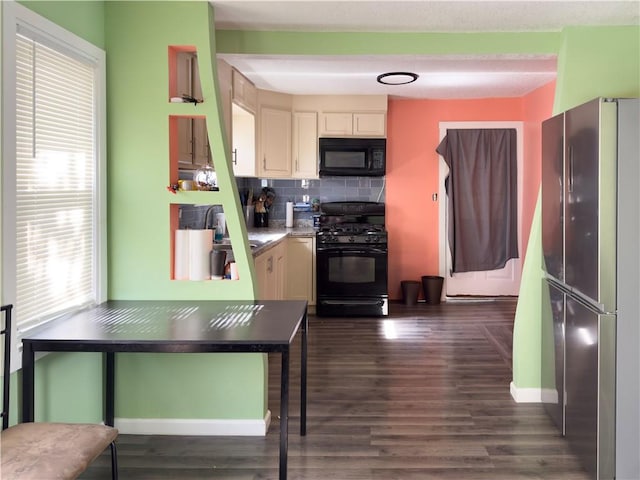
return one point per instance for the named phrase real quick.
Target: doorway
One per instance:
(492, 283)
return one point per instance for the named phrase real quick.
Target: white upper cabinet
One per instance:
(201, 150)
(336, 124)
(370, 124)
(224, 84)
(188, 75)
(245, 93)
(274, 160)
(239, 121)
(305, 145)
(243, 154)
(347, 124)
(275, 135)
(193, 142)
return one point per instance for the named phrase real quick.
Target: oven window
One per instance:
(352, 270)
(342, 159)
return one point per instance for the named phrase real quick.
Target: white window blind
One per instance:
(55, 182)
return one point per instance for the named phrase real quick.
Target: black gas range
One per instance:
(351, 260)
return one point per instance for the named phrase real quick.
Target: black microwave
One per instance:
(360, 157)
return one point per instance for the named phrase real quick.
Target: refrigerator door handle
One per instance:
(570, 173)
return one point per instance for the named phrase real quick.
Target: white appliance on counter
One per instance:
(590, 231)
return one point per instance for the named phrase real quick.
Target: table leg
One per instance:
(303, 378)
(284, 413)
(28, 365)
(109, 388)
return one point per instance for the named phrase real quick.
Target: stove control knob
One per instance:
(351, 239)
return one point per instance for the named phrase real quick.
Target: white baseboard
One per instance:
(526, 395)
(188, 426)
(549, 395)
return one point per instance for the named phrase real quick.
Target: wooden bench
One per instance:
(43, 450)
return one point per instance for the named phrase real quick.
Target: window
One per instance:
(53, 155)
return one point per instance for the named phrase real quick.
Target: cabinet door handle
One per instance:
(270, 264)
(235, 156)
(264, 162)
(192, 151)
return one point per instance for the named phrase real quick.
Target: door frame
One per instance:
(442, 195)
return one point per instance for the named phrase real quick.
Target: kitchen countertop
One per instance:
(270, 237)
(265, 239)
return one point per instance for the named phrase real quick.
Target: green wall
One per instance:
(138, 35)
(367, 43)
(593, 62)
(83, 18)
(597, 62)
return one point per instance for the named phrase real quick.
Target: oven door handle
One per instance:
(343, 250)
(345, 302)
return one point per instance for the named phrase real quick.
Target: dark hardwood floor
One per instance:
(422, 394)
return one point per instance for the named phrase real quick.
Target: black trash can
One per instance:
(432, 289)
(410, 291)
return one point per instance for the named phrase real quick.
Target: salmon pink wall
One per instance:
(412, 173)
(537, 106)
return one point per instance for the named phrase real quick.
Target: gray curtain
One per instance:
(482, 192)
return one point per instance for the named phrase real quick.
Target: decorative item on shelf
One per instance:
(173, 188)
(186, 99)
(205, 178)
(186, 185)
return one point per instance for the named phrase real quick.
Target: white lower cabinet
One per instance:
(288, 271)
(301, 269)
(270, 271)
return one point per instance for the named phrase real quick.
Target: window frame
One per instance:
(15, 17)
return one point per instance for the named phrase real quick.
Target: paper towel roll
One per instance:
(200, 245)
(289, 221)
(181, 255)
(233, 271)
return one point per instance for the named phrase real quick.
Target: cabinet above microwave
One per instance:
(365, 124)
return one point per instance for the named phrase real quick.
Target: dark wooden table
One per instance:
(176, 327)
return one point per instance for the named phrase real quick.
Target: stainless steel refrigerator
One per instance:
(590, 236)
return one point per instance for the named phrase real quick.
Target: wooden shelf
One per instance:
(195, 197)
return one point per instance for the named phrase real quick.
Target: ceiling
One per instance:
(440, 76)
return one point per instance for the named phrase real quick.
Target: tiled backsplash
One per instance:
(193, 216)
(332, 189)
